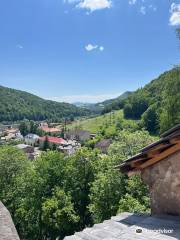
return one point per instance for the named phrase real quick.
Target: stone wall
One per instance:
(163, 179)
(7, 228)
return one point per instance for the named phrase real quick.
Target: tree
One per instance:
(57, 195)
(128, 111)
(46, 144)
(131, 204)
(12, 164)
(136, 198)
(170, 114)
(58, 215)
(80, 180)
(150, 119)
(105, 193)
(128, 144)
(41, 185)
(33, 127)
(24, 127)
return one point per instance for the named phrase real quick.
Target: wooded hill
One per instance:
(157, 104)
(115, 101)
(18, 105)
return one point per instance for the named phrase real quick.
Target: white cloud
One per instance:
(175, 14)
(132, 2)
(91, 47)
(86, 98)
(153, 7)
(19, 46)
(93, 5)
(101, 48)
(143, 10)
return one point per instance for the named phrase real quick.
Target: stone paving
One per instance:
(127, 226)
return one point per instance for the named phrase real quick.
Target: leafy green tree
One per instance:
(12, 164)
(105, 193)
(128, 111)
(128, 144)
(24, 127)
(36, 188)
(80, 180)
(136, 198)
(58, 215)
(131, 204)
(57, 195)
(150, 119)
(110, 132)
(46, 144)
(33, 127)
(170, 114)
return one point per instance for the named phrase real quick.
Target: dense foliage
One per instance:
(55, 195)
(157, 104)
(18, 105)
(114, 104)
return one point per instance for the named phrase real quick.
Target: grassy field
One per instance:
(94, 124)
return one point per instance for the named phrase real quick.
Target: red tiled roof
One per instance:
(50, 130)
(55, 140)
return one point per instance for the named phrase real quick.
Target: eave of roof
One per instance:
(171, 131)
(167, 145)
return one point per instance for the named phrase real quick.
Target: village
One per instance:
(51, 138)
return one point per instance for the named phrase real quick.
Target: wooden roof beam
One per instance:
(161, 156)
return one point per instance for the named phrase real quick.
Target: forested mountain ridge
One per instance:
(105, 106)
(121, 97)
(157, 103)
(17, 105)
(115, 103)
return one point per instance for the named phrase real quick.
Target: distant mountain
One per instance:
(121, 97)
(17, 105)
(93, 107)
(83, 105)
(113, 104)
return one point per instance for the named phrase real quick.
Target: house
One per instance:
(52, 141)
(12, 130)
(159, 166)
(31, 139)
(103, 145)
(93, 135)
(69, 147)
(19, 136)
(67, 150)
(73, 143)
(43, 124)
(25, 148)
(7, 228)
(2, 140)
(12, 134)
(50, 131)
(78, 135)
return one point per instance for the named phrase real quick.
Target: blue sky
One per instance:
(86, 50)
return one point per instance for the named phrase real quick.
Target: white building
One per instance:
(31, 139)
